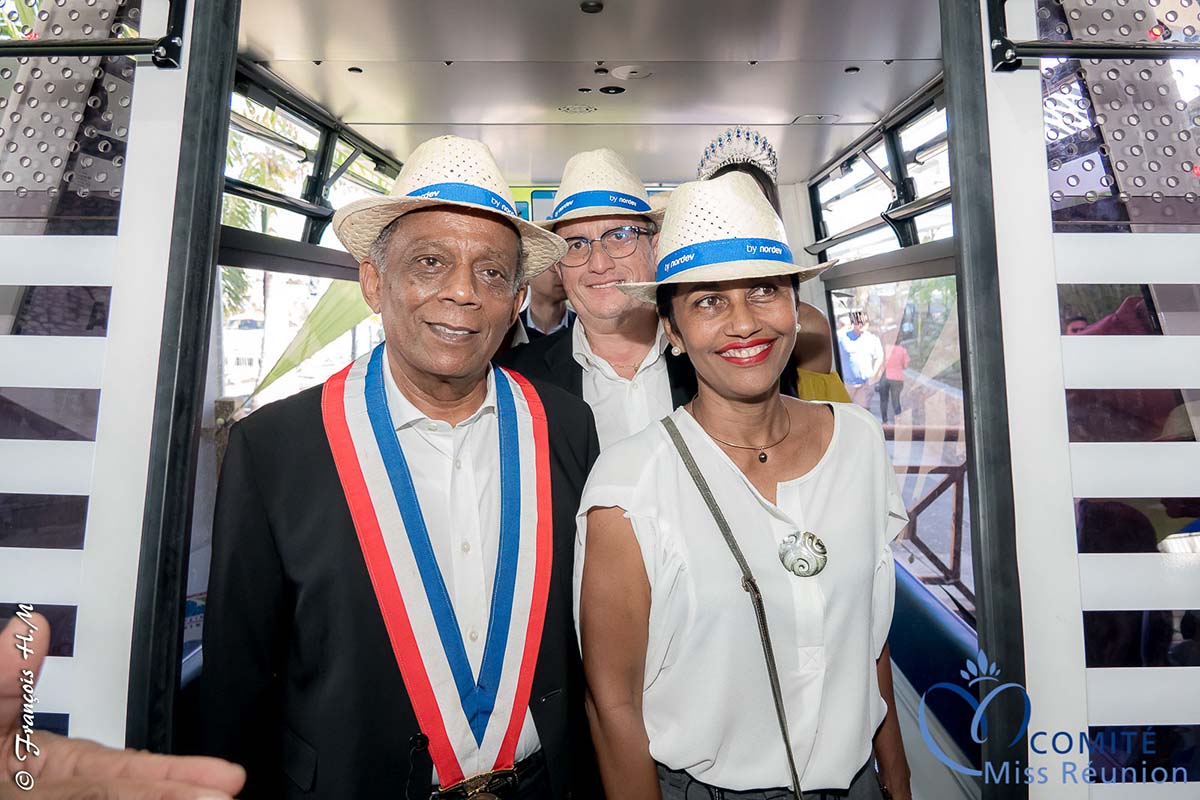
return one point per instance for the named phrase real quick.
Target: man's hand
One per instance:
(67, 769)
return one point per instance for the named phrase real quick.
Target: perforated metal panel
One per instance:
(64, 122)
(1122, 135)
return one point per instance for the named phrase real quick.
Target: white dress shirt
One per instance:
(456, 473)
(706, 699)
(623, 406)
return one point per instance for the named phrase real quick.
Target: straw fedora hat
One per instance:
(598, 183)
(454, 171)
(721, 229)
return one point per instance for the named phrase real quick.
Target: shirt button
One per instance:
(431, 426)
(473, 635)
(635, 385)
(458, 463)
(466, 547)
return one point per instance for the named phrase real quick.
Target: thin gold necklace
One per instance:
(762, 455)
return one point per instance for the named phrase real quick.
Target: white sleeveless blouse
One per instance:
(707, 700)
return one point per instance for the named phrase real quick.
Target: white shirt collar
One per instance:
(530, 324)
(581, 349)
(405, 414)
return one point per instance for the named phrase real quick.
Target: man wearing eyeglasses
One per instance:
(615, 356)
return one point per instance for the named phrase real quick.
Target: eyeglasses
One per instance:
(617, 243)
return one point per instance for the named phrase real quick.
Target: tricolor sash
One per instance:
(472, 721)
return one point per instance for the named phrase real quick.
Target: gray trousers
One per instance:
(678, 785)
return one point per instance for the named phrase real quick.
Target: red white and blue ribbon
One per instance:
(473, 721)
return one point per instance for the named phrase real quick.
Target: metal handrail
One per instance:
(165, 52)
(907, 211)
(268, 197)
(917, 207)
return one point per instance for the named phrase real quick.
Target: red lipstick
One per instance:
(745, 361)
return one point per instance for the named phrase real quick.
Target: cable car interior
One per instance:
(1007, 190)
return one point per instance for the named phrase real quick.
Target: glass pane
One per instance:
(262, 313)
(238, 212)
(1129, 309)
(1138, 525)
(1141, 638)
(54, 310)
(361, 179)
(867, 244)
(1158, 754)
(62, 625)
(853, 194)
(899, 357)
(927, 152)
(54, 723)
(272, 149)
(65, 415)
(363, 171)
(1133, 415)
(936, 224)
(42, 520)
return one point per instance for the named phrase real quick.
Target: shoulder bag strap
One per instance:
(749, 584)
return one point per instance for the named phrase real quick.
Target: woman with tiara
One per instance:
(734, 578)
(812, 377)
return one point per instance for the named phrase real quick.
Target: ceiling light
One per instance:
(354, 70)
(816, 119)
(631, 72)
(591, 6)
(612, 89)
(577, 109)
(852, 70)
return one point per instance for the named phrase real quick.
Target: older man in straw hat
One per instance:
(614, 356)
(389, 608)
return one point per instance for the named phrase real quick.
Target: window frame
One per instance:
(901, 214)
(262, 87)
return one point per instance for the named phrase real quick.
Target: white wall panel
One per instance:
(60, 362)
(58, 260)
(1041, 466)
(1131, 362)
(1136, 469)
(1140, 581)
(1144, 696)
(38, 467)
(1122, 258)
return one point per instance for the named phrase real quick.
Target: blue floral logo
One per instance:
(977, 671)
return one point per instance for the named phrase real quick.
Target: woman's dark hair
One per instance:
(764, 181)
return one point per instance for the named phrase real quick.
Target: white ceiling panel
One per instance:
(515, 63)
(556, 30)
(535, 154)
(678, 92)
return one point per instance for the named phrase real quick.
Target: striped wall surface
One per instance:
(85, 692)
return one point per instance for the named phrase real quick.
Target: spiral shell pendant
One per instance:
(803, 554)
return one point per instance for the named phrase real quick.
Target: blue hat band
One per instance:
(722, 251)
(600, 199)
(466, 193)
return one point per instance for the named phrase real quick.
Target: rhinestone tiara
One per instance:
(738, 146)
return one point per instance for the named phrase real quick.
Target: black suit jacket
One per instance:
(300, 682)
(550, 359)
